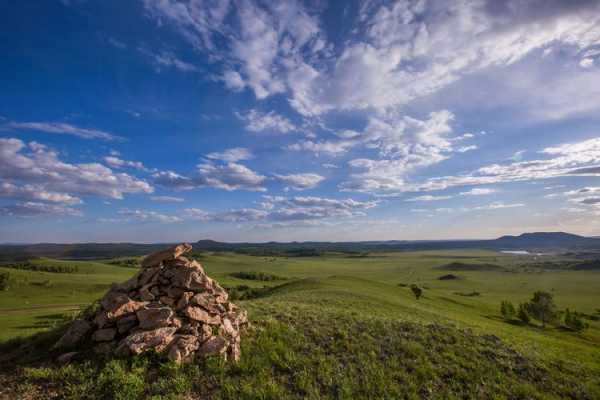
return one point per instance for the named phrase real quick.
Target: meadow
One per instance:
(333, 326)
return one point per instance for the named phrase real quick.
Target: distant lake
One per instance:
(516, 252)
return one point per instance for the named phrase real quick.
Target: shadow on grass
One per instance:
(47, 321)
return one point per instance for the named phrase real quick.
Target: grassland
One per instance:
(337, 326)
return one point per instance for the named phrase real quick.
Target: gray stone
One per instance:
(76, 332)
(152, 318)
(104, 335)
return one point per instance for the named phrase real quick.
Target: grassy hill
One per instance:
(334, 327)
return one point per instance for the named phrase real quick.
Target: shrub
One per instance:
(523, 314)
(417, 291)
(542, 307)
(4, 278)
(256, 276)
(507, 310)
(574, 322)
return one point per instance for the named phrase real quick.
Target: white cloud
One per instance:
(498, 205)
(166, 59)
(586, 63)
(63, 129)
(330, 166)
(231, 155)
(429, 198)
(36, 193)
(35, 164)
(257, 121)
(399, 52)
(33, 209)
(329, 147)
(300, 181)
(570, 159)
(464, 149)
(478, 192)
(116, 162)
(148, 216)
(228, 176)
(167, 199)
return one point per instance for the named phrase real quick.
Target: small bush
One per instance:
(256, 276)
(507, 310)
(417, 291)
(574, 321)
(523, 314)
(4, 278)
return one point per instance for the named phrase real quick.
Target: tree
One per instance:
(523, 315)
(542, 307)
(4, 277)
(507, 310)
(417, 291)
(574, 322)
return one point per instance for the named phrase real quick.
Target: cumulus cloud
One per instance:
(300, 181)
(34, 209)
(257, 121)
(569, 159)
(116, 162)
(284, 209)
(36, 193)
(63, 129)
(231, 155)
(401, 50)
(228, 176)
(35, 164)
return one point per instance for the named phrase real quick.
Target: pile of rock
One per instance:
(170, 306)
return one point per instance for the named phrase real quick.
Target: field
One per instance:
(335, 326)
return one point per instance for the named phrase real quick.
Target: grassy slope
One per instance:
(298, 325)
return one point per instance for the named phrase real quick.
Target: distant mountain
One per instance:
(545, 240)
(536, 241)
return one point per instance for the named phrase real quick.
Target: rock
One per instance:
(67, 357)
(138, 342)
(167, 300)
(186, 278)
(104, 335)
(183, 348)
(170, 254)
(127, 323)
(145, 293)
(184, 300)
(199, 314)
(149, 275)
(170, 306)
(152, 318)
(74, 334)
(105, 348)
(213, 346)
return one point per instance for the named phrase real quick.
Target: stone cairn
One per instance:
(170, 306)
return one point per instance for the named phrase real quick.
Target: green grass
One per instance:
(338, 327)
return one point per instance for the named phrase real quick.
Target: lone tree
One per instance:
(574, 322)
(507, 310)
(417, 291)
(542, 307)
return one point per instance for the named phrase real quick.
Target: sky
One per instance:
(246, 120)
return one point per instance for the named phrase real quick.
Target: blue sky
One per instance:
(164, 120)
